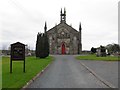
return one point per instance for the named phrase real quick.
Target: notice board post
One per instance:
(17, 54)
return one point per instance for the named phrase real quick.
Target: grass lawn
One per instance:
(94, 57)
(18, 79)
(0, 73)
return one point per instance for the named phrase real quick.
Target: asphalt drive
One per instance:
(66, 72)
(108, 70)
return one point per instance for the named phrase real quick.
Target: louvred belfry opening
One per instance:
(63, 48)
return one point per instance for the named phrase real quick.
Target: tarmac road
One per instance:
(108, 70)
(66, 72)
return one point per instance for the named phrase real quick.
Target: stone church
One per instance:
(63, 38)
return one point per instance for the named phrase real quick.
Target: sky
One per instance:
(21, 20)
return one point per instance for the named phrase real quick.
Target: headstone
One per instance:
(101, 51)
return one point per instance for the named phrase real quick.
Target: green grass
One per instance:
(94, 57)
(18, 79)
(0, 73)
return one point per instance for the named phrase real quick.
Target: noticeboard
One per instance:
(17, 54)
(17, 51)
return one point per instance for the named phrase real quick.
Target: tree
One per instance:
(113, 48)
(37, 46)
(42, 46)
(93, 50)
(46, 46)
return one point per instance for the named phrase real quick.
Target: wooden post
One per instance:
(10, 65)
(24, 67)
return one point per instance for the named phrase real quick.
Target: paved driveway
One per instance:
(108, 70)
(66, 72)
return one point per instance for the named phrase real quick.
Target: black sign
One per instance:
(17, 53)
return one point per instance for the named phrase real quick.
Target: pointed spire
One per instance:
(64, 11)
(61, 11)
(45, 28)
(80, 28)
(63, 16)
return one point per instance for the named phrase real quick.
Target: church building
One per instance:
(63, 38)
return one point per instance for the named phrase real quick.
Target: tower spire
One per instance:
(64, 11)
(80, 28)
(63, 16)
(45, 27)
(80, 38)
(61, 11)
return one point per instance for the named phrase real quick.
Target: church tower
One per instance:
(63, 16)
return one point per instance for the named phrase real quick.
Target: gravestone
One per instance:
(17, 54)
(101, 51)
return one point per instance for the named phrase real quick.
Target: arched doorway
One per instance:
(63, 48)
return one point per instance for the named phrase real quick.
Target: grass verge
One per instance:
(0, 72)
(18, 79)
(94, 57)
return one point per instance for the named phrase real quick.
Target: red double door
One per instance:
(63, 48)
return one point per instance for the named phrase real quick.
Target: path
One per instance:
(66, 72)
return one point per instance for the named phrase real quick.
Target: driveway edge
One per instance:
(34, 78)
